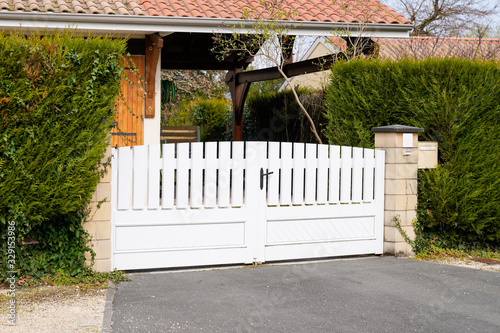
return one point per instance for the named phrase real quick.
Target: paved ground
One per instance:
(363, 295)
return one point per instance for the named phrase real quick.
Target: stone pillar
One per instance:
(99, 222)
(401, 159)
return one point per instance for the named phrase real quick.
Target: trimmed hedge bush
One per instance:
(211, 115)
(457, 102)
(57, 103)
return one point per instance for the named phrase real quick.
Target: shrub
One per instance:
(57, 103)
(211, 116)
(457, 102)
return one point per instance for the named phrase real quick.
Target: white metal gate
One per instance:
(218, 203)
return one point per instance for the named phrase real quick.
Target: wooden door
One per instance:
(129, 130)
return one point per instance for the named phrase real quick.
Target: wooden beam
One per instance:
(238, 95)
(290, 70)
(200, 65)
(154, 44)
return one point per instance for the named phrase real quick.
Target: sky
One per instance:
(495, 19)
(303, 43)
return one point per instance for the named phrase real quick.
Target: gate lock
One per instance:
(262, 174)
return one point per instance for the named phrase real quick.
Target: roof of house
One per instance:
(440, 47)
(347, 11)
(425, 47)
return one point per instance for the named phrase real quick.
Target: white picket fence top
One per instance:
(210, 175)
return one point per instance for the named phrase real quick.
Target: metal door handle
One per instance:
(262, 174)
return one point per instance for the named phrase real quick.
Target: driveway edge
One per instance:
(108, 308)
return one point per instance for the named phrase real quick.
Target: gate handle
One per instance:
(262, 174)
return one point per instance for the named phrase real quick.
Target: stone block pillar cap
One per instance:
(397, 129)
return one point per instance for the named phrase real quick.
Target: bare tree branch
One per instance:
(269, 39)
(446, 17)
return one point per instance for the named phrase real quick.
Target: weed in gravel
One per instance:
(88, 278)
(94, 278)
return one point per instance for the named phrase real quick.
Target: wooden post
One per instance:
(239, 93)
(287, 49)
(154, 44)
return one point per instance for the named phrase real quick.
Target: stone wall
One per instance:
(99, 222)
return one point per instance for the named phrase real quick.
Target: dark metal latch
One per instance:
(262, 174)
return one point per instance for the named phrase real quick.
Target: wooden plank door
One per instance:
(129, 130)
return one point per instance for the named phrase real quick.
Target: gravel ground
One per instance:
(81, 309)
(469, 263)
(55, 309)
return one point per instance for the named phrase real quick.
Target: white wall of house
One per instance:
(319, 79)
(152, 126)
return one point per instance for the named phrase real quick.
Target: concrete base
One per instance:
(398, 249)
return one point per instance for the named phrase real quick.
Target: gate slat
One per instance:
(210, 174)
(124, 169)
(154, 177)
(196, 188)
(334, 182)
(298, 173)
(345, 174)
(140, 177)
(167, 176)
(310, 174)
(182, 179)
(368, 175)
(237, 175)
(357, 174)
(322, 183)
(273, 179)
(286, 174)
(224, 173)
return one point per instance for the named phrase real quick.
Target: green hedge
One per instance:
(212, 117)
(57, 102)
(457, 102)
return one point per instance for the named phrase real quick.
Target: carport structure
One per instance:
(178, 34)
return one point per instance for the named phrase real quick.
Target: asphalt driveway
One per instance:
(362, 295)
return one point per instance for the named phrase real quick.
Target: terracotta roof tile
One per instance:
(436, 47)
(148, 7)
(163, 6)
(322, 6)
(440, 47)
(196, 13)
(307, 10)
(47, 4)
(204, 7)
(123, 11)
(314, 11)
(33, 5)
(110, 7)
(210, 13)
(18, 6)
